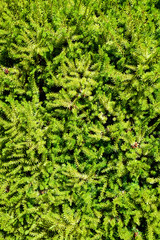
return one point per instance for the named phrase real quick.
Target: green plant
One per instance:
(79, 119)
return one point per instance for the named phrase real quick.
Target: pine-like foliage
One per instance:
(79, 120)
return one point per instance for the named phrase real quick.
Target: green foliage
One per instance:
(79, 119)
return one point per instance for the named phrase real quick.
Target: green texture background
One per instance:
(79, 120)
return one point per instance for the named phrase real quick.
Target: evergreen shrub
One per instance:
(79, 119)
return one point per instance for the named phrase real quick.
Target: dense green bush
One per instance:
(79, 118)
